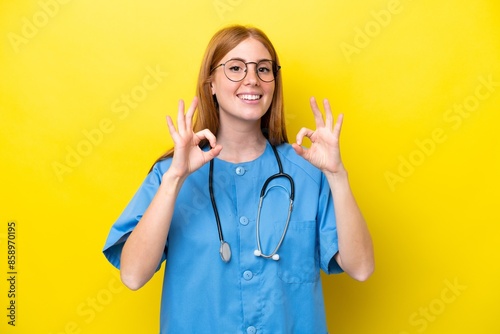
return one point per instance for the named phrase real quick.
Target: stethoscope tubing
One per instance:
(225, 249)
(258, 251)
(212, 199)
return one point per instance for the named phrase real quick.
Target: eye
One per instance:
(236, 68)
(265, 67)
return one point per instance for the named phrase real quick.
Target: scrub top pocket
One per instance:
(299, 258)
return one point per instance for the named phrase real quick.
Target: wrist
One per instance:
(171, 182)
(337, 178)
(339, 172)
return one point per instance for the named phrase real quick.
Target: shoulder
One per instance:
(159, 168)
(297, 164)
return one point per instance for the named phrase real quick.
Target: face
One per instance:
(250, 98)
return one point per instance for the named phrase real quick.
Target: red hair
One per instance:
(226, 39)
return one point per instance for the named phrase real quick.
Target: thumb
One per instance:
(298, 149)
(213, 152)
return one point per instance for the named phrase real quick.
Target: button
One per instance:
(240, 170)
(243, 220)
(251, 330)
(247, 275)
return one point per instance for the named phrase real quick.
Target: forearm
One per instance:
(144, 247)
(355, 244)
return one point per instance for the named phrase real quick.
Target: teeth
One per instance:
(249, 97)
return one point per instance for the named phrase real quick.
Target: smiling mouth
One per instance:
(250, 97)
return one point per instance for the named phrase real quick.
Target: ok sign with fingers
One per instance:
(324, 152)
(188, 156)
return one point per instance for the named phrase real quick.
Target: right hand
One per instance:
(188, 156)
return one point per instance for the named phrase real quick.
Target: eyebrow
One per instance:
(245, 61)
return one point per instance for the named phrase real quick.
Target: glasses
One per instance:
(236, 69)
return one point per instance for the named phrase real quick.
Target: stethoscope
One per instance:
(225, 249)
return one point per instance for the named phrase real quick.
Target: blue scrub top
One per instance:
(250, 294)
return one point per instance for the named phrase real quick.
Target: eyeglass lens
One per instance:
(236, 70)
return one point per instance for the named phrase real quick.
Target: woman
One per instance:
(234, 263)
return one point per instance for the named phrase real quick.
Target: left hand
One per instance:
(324, 152)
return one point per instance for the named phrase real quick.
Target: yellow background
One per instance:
(425, 173)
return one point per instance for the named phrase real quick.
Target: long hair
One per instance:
(207, 117)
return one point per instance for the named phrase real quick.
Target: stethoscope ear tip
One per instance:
(225, 250)
(258, 253)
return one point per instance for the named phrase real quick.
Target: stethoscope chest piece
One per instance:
(225, 251)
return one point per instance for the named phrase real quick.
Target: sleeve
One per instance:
(327, 223)
(129, 218)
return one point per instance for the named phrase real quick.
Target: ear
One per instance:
(212, 88)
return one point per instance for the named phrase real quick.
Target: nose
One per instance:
(251, 78)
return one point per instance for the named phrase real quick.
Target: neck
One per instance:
(240, 146)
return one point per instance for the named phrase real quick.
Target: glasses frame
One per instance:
(275, 67)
